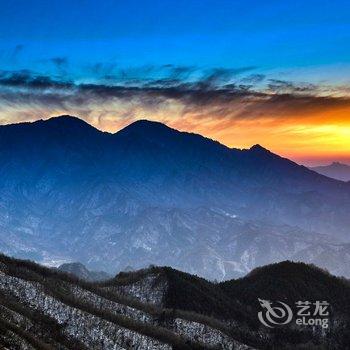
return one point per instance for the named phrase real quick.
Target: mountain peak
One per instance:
(65, 121)
(62, 121)
(336, 170)
(79, 270)
(338, 164)
(65, 118)
(259, 148)
(170, 138)
(147, 127)
(55, 131)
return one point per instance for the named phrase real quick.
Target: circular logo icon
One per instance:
(274, 314)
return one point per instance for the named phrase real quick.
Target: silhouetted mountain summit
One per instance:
(61, 124)
(46, 135)
(148, 127)
(150, 194)
(145, 136)
(64, 122)
(259, 149)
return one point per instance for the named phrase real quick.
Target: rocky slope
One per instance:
(46, 309)
(235, 303)
(162, 308)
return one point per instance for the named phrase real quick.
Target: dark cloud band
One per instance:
(218, 91)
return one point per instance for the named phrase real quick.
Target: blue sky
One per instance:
(271, 35)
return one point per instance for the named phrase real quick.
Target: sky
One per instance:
(275, 73)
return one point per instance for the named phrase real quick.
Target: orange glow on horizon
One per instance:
(316, 137)
(311, 139)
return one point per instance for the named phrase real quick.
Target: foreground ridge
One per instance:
(155, 308)
(90, 315)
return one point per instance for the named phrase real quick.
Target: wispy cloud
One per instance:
(237, 106)
(61, 64)
(214, 91)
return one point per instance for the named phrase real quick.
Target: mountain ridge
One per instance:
(163, 308)
(140, 197)
(335, 170)
(140, 126)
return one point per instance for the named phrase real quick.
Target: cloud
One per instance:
(253, 78)
(283, 86)
(218, 76)
(16, 52)
(103, 70)
(27, 80)
(11, 55)
(216, 93)
(179, 72)
(237, 107)
(61, 64)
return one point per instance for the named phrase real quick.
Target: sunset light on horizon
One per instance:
(280, 79)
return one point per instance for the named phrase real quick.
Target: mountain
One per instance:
(80, 271)
(163, 308)
(335, 170)
(288, 281)
(46, 309)
(149, 194)
(237, 301)
(291, 282)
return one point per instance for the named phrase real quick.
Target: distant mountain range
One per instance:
(149, 194)
(335, 170)
(80, 271)
(163, 308)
